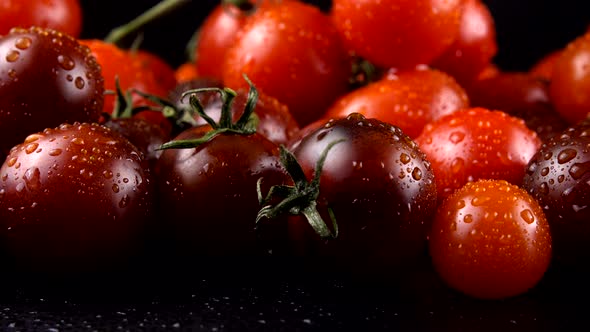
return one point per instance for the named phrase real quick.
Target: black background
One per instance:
(527, 29)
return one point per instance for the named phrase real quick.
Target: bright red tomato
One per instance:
(397, 33)
(475, 144)
(291, 51)
(490, 240)
(408, 99)
(61, 15)
(475, 45)
(570, 80)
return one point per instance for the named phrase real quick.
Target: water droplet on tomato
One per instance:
(545, 171)
(23, 43)
(20, 187)
(480, 200)
(579, 169)
(404, 158)
(55, 152)
(528, 216)
(80, 83)
(115, 188)
(566, 155)
(32, 178)
(457, 137)
(30, 148)
(107, 174)
(417, 174)
(468, 219)
(12, 56)
(66, 62)
(78, 141)
(124, 201)
(544, 188)
(10, 162)
(457, 165)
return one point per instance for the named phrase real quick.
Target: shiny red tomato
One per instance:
(397, 33)
(46, 78)
(475, 45)
(163, 73)
(61, 15)
(76, 198)
(570, 80)
(490, 240)
(292, 52)
(408, 99)
(475, 144)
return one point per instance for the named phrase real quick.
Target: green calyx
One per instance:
(245, 125)
(300, 198)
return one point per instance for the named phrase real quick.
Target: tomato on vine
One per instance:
(62, 15)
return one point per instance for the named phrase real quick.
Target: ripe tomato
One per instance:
(397, 33)
(381, 190)
(570, 80)
(186, 72)
(544, 67)
(477, 144)
(61, 15)
(558, 176)
(490, 240)
(162, 71)
(46, 78)
(475, 45)
(74, 199)
(292, 52)
(131, 72)
(408, 99)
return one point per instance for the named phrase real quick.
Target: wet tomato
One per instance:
(475, 144)
(46, 78)
(61, 15)
(490, 240)
(74, 199)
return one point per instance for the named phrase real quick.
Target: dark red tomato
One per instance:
(397, 33)
(61, 15)
(121, 64)
(544, 67)
(558, 176)
(291, 51)
(490, 240)
(477, 144)
(408, 99)
(46, 78)
(162, 71)
(570, 80)
(208, 195)
(381, 190)
(74, 199)
(475, 45)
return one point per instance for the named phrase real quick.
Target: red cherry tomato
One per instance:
(490, 240)
(186, 72)
(163, 73)
(475, 144)
(475, 45)
(292, 52)
(544, 67)
(397, 33)
(570, 80)
(61, 15)
(408, 99)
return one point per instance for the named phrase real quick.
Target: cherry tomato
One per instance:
(544, 67)
(397, 33)
(408, 99)
(475, 45)
(490, 240)
(381, 190)
(74, 199)
(164, 74)
(570, 80)
(131, 72)
(186, 72)
(558, 176)
(292, 52)
(46, 78)
(475, 144)
(61, 15)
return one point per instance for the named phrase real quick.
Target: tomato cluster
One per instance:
(356, 139)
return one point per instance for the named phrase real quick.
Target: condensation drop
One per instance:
(65, 62)
(55, 152)
(468, 219)
(32, 178)
(528, 216)
(23, 43)
(12, 56)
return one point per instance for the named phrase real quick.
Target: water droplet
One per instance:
(417, 174)
(79, 82)
(20, 187)
(124, 201)
(468, 219)
(480, 200)
(566, 155)
(12, 56)
(10, 162)
(457, 165)
(457, 137)
(460, 204)
(545, 171)
(548, 155)
(115, 188)
(107, 174)
(404, 158)
(528, 216)
(544, 188)
(23, 43)
(322, 135)
(78, 141)
(30, 148)
(55, 152)
(69, 78)
(579, 169)
(32, 178)
(65, 62)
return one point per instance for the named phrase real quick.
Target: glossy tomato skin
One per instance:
(208, 196)
(397, 33)
(477, 144)
(162, 71)
(75, 199)
(129, 69)
(558, 176)
(407, 99)
(543, 68)
(291, 51)
(46, 78)
(475, 45)
(490, 240)
(61, 15)
(570, 80)
(381, 190)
